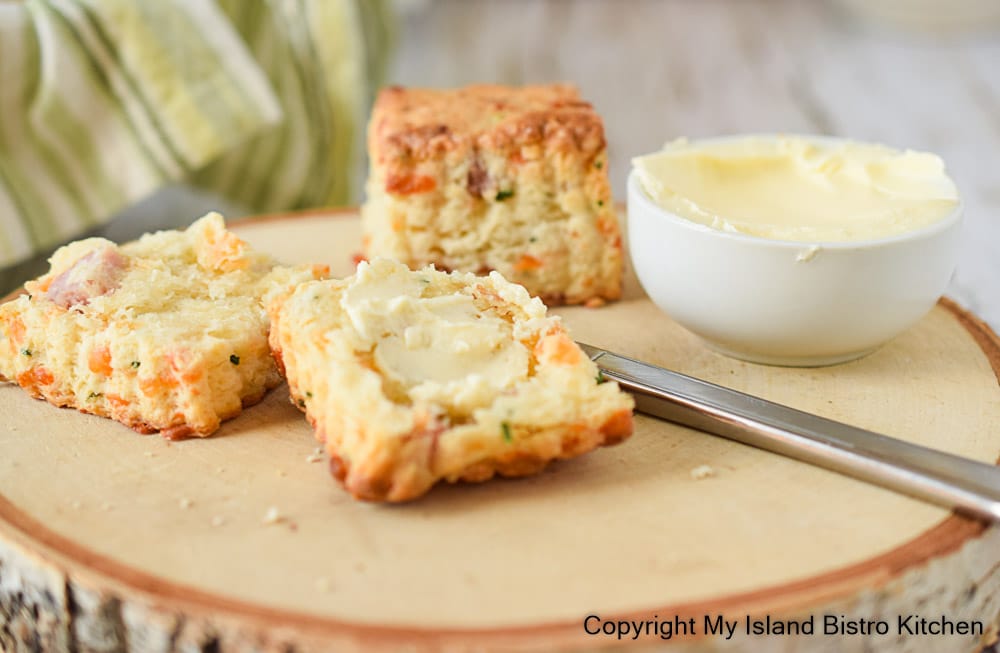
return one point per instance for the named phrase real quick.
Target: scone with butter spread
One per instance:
(167, 333)
(413, 377)
(512, 179)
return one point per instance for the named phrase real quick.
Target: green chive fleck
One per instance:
(533, 239)
(26, 352)
(505, 428)
(600, 378)
(234, 359)
(504, 195)
(135, 365)
(598, 164)
(600, 202)
(302, 403)
(309, 394)
(94, 395)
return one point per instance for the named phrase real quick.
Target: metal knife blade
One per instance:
(968, 486)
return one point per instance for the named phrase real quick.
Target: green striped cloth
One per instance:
(104, 101)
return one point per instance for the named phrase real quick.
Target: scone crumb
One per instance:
(323, 584)
(185, 503)
(595, 302)
(702, 472)
(316, 456)
(149, 454)
(106, 506)
(272, 516)
(218, 520)
(75, 505)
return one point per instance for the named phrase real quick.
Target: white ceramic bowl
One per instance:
(788, 303)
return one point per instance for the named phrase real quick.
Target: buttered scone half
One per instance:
(505, 178)
(413, 377)
(167, 333)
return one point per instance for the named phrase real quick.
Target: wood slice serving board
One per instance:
(114, 541)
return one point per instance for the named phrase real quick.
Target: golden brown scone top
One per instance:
(421, 123)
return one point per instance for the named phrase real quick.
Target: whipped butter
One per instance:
(799, 189)
(437, 345)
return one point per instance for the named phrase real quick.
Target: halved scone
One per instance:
(411, 377)
(167, 333)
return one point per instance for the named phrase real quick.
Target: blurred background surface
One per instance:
(921, 74)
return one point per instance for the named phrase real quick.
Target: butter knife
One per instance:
(967, 486)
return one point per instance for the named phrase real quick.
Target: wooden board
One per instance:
(111, 541)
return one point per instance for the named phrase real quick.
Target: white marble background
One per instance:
(659, 69)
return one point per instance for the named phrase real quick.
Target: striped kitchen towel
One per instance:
(104, 101)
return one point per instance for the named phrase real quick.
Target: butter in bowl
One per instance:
(792, 250)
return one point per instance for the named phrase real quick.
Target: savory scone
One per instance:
(411, 377)
(512, 179)
(168, 333)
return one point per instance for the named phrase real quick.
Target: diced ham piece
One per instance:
(97, 273)
(478, 179)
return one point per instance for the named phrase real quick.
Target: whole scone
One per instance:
(167, 333)
(512, 179)
(413, 377)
